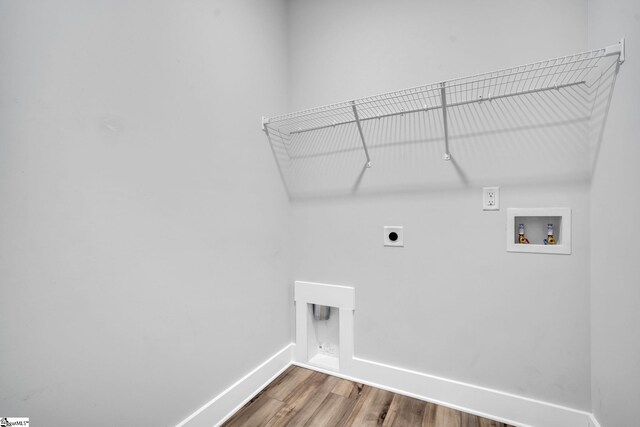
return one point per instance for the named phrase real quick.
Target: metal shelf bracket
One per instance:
(443, 96)
(364, 144)
(616, 49)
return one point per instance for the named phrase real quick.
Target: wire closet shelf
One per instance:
(549, 75)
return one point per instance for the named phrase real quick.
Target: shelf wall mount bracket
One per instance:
(616, 49)
(443, 96)
(364, 144)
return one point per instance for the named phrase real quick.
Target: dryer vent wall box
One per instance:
(393, 235)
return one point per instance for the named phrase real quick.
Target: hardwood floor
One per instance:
(301, 397)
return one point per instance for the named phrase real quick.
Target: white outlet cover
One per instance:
(388, 235)
(491, 198)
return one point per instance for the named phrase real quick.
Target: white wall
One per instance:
(143, 227)
(452, 302)
(144, 231)
(615, 209)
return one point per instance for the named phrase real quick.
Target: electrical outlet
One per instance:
(491, 198)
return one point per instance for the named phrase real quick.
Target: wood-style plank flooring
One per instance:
(301, 397)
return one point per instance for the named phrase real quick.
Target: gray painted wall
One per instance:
(615, 209)
(143, 249)
(452, 302)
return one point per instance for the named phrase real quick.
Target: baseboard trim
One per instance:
(224, 405)
(593, 422)
(501, 406)
(504, 407)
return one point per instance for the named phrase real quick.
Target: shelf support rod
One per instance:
(364, 144)
(443, 96)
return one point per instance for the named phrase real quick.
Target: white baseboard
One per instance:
(500, 406)
(593, 422)
(221, 407)
(505, 407)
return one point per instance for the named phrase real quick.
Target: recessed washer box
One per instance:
(535, 221)
(393, 235)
